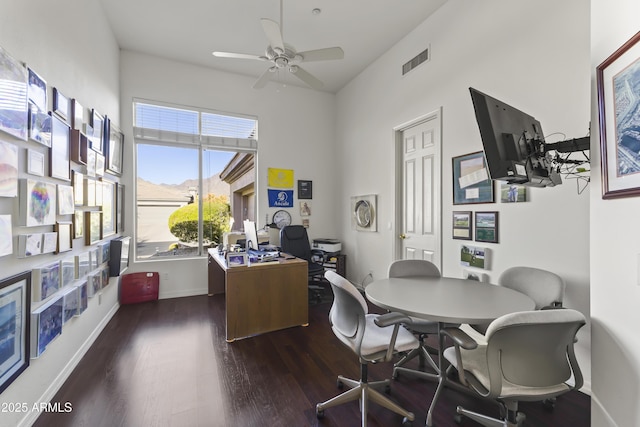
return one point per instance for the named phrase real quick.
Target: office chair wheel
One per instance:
(319, 413)
(549, 404)
(457, 418)
(387, 389)
(406, 422)
(340, 385)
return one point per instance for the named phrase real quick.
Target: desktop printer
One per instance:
(327, 245)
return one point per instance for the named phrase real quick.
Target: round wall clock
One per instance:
(281, 219)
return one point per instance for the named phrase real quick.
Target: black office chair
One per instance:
(295, 241)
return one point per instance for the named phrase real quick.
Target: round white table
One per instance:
(446, 300)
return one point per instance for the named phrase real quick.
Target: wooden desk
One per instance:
(262, 297)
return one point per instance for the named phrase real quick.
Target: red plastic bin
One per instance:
(139, 287)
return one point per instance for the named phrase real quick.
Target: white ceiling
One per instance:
(190, 30)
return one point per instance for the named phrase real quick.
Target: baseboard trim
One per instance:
(53, 388)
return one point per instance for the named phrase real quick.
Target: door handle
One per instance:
(403, 236)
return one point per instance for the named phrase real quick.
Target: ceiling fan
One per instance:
(283, 56)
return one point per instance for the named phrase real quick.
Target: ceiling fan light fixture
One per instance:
(281, 62)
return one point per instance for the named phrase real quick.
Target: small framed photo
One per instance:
(115, 150)
(79, 145)
(487, 227)
(15, 306)
(37, 90)
(35, 162)
(236, 259)
(78, 188)
(39, 125)
(77, 115)
(93, 227)
(305, 189)
(97, 139)
(60, 154)
(78, 224)
(462, 225)
(108, 208)
(120, 208)
(103, 252)
(99, 164)
(473, 256)
(512, 193)
(91, 163)
(49, 242)
(46, 324)
(66, 205)
(64, 230)
(305, 208)
(61, 105)
(618, 78)
(45, 281)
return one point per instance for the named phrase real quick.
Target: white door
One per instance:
(421, 230)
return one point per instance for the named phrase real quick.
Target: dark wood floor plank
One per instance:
(167, 363)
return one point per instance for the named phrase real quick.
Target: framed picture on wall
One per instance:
(37, 90)
(617, 78)
(462, 225)
(487, 227)
(61, 105)
(305, 189)
(93, 227)
(14, 75)
(115, 150)
(60, 155)
(108, 208)
(35, 162)
(471, 181)
(15, 306)
(97, 139)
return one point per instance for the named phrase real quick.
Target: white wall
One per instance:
(71, 46)
(296, 129)
(615, 293)
(524, 53)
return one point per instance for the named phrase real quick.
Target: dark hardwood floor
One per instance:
(167, 363)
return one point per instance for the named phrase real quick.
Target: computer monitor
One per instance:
(514, 145)
(251, 235)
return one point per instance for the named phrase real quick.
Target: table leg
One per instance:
(442, 375)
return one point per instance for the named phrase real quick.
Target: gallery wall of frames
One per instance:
(60, 164)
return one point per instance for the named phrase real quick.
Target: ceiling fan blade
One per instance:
(306, 77)
(326, 54)
(239, 56)
(272, 31)
(264, 78)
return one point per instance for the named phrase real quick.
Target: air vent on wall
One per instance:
(414, 62)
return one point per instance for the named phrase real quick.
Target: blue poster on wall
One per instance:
(280, 198)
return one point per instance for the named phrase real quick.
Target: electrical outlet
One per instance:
(165, 277)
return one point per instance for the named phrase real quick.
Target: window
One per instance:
(195, 178)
